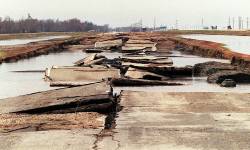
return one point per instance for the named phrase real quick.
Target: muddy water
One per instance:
(25, 41)
(240, 44)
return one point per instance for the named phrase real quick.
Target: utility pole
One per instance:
(242, 24)
(233, 22)
(247, 23)
(202, 23)
(239, 21)
(176, 24)
(154, 23)
(229, 21)
(141, 25)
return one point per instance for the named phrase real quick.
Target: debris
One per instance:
(92, 59)
(237, 76)
(80, 74)
(68, 84)
(228, 83)
(127, 49)
(110, 44)
(142, 74)
(132, 46)
(141, 82)
(127, 64)
(91, 98)
(167, 71)
(86, 61)
(93, 50)
(208, 68)
(148, 60)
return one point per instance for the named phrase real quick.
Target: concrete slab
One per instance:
(160, 120)
(54, 98)
(109, 44)
(132, 41)
(50, 140)
(145, 65)
(81, 74)
(142, 74)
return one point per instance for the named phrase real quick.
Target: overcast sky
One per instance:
(126, 12)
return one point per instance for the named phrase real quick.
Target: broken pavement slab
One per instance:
(138, 45)
(142, 74)
(86, 61)
(134, 41)
(167, 71)
(109, 44)
(127, 64)
(82, 98)
(148, 60)
(88, 74)
(140, 82)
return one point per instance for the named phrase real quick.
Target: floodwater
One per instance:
(191, 84)
(190, 60)
(25, 41)
(240, 44)
(14, 84)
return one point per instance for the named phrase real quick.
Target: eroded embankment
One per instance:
(210, 49)
(17, 52)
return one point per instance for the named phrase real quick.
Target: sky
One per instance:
(126, 12)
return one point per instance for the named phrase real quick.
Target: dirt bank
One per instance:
(210, 49)
(17, 52)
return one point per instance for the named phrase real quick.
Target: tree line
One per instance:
(31, 25)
